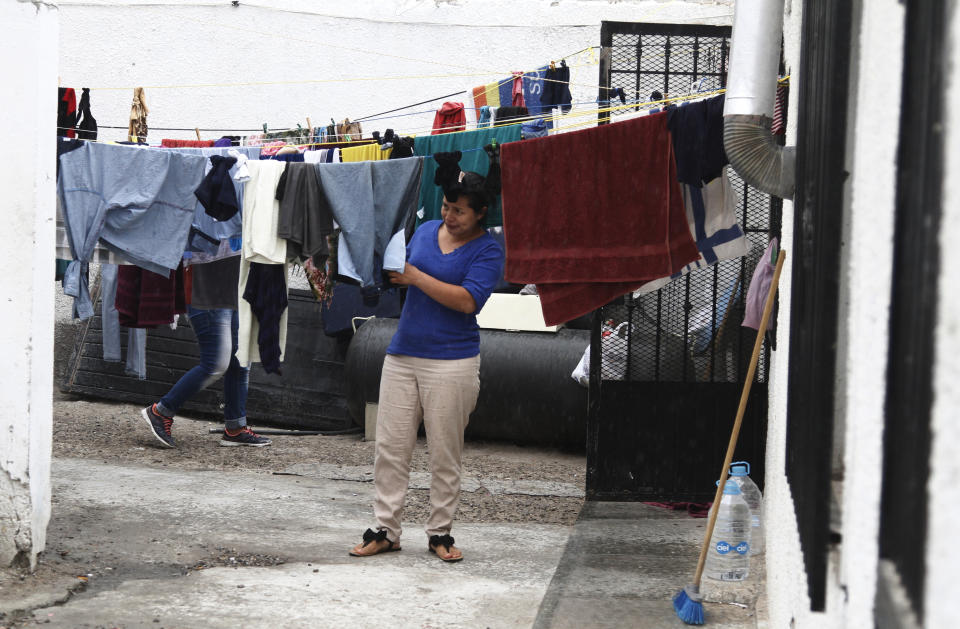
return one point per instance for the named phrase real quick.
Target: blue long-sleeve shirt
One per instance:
(429, 329)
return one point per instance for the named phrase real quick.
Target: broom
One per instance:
(688, 602)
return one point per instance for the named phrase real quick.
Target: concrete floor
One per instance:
(218, 548)
(622, 565)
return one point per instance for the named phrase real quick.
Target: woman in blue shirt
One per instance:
(433, 361)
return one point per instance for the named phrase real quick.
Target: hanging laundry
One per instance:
(216, 192)
(504, 114)
(450, 117)
(208, 232)
(305, 218)
(484, 118)
(348, 302)
(266, 292)
(146, 299)
(169, 143)
(517, 99)
(779, 126)
(87, 125)
(364, 153)
(760, 286)
(371, 202)
(321, 278)
(471, 144)
(66, 112)
(210, 288)
(712, 216)
(138, 202)
(402, 147)
(593, 214)
(533, 93)
(225, 141)
(137, 130)
(697, 132)
(556, 88)
(261, 245)
(536, 128)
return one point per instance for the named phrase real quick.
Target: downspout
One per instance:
(751, 89)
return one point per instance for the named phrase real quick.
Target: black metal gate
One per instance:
(668, 366)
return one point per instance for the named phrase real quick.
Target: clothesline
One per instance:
(519, 121)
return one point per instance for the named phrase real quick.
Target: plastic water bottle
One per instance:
(740, 473)
(727, 558)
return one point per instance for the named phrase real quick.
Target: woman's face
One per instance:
(459, 218)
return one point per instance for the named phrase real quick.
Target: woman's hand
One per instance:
(450, 295)
(407, 278)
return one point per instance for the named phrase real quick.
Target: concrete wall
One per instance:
(362, 57)
(785, 593)
(27, 231)
(943, 552)
(865, 274)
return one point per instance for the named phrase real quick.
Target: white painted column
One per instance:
(943, 489)
(27, 231)
(866, 279)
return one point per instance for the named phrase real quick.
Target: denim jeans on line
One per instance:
(216, 332)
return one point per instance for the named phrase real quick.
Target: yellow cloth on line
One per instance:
(364, 153)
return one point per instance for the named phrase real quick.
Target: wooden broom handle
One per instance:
(735, 433)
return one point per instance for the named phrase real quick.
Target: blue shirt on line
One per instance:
(429, 329)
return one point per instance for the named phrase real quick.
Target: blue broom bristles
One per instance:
(687, 604)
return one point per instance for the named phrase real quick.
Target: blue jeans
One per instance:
(216, 332)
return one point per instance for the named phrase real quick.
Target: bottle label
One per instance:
(743, 548)
(723, 548)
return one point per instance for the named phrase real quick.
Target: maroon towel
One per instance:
(146, 299)
(593, 214)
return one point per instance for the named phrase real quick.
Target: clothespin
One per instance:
(553, 64)
(197, 130)
(264, 127)
(563, 63)
(309, 126)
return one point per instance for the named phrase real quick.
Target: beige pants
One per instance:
(444, 393)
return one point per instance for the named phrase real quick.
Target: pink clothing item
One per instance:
(271, 148)
(518, 100)
(450, 117)
(759, 287)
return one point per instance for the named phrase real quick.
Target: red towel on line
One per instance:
(172, 144)
(146, 299)
(593, 214)
(450, 117)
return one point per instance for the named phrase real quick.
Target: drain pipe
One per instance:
(751, 89)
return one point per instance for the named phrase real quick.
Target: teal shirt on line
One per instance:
(473, 161)
(429, 329)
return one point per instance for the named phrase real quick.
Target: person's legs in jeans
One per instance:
(235, 384)
(213, 328)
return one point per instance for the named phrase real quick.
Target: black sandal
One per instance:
(370, 536)
(447, 542)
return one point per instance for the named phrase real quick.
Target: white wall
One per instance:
(786, 591)
(341, 45)
(865, 284)
(943, 552)
(27, 231)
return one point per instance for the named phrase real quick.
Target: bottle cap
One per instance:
(739, 468)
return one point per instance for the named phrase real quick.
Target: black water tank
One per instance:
(526, 393)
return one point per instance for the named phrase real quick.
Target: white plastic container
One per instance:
(727, 558)
(740, 473)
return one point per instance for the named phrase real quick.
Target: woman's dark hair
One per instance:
(481, 192)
